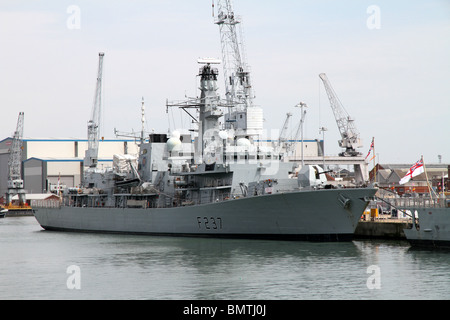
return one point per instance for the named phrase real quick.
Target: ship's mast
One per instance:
(136, 136)
(142, 121)
(209, 142)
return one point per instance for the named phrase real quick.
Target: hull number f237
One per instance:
(209, 223)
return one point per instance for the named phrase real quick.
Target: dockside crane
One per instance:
(346, 125)
(245, 118)
(283, 134)
(236, 73)
(91, 155)
(15, 182)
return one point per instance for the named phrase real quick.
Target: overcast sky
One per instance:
(388, 61)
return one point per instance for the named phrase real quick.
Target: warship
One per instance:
(212, 181)
(431, 223)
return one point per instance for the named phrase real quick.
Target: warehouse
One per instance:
(45, 161)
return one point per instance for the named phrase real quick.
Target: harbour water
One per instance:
(38, 264)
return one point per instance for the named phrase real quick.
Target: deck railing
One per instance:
(45, 204)
(418, 202)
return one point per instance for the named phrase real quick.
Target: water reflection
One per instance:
(238, 269)
(34, 263)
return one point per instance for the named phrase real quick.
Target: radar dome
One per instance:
(176, 134)
(243, 142)
(223, 135)
(173, 143)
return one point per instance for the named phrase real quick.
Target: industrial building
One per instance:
(387, 176)
(45, 161)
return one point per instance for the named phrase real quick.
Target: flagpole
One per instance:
(372, 149)
(426, 177)
(374, 167)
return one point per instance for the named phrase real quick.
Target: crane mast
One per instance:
(15, 182)
(91, 156)
(350, 136)
(245, 118)
(283, 138)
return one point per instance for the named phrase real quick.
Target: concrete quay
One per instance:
(382, 229)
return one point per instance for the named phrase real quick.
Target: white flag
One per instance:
(414, 171)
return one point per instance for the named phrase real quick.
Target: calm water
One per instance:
(34, 262)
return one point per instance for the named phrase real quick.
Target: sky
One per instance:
(388, 62)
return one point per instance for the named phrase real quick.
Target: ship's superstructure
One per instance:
(181, 170)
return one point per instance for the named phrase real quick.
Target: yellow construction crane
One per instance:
(15, 181)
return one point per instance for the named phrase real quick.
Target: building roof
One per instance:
(429, 166)
(392, 173)
(37, 196)
(49, 159)
(67, 139)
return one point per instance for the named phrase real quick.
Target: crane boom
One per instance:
(246, 119)
(15, 182)
(91, 156)
(282, 138)
(15, 156)
(237, 77)
(350, 136)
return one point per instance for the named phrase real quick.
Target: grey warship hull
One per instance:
(305, 215)
(432, 229)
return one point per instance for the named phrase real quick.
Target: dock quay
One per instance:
(19, 213)
(383, 223)
(374, 224)
(382, 229)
